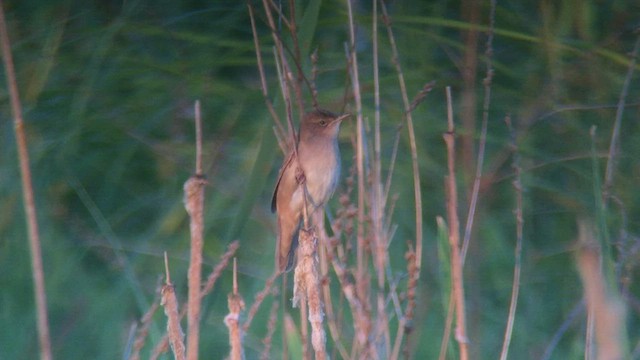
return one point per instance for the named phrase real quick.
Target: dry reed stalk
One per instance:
(263, 80)
(259, 298)
(217, 270)
(232, 320)
(304, 327)
(297, 85)
(470, 12)
(170, 304)
(615, 134)
(517, 185)
(487, 81)
(314, 76)
(406, 321)
(363, 320)
(37, 270)
(194, 204)
(334, 330)
(412, 136)
(379, 235)
(271, 328)
(161, 348)
(163, 344)
(605, 308)
(143, 331)
(306, 289)
(352, 57)
(454, 234)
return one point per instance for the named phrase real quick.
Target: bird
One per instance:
(316, 170)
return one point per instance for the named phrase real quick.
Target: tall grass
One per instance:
(110, 128)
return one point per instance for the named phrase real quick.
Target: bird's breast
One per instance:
(321, 165)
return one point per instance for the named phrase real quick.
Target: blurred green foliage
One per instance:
(108, 89)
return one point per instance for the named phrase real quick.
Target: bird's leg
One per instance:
(301, 179)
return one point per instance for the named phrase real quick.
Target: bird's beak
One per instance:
(342, 117)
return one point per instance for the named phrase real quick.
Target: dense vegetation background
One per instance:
(108, 89)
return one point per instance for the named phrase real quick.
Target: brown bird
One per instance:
(319, 159)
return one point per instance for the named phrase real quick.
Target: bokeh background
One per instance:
(108, 89)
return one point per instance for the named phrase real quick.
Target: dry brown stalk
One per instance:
(517, 184)
(170, 304)
(363, 322)
(604, 307)
(412, 136)
(259, 298)
(271, 327)
(325, 283)
(614, 145)
(454, 234)
(412, 285)
(263, 81)
(143, 331)
(307, 289)
(27, 192)
(217, 270)
(163, 344)
(161, 348)
(194, 204)
(232, 320)
(487, 81)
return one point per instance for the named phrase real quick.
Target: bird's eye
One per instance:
(323, 123)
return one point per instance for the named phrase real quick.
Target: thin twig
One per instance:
(334, 329)
(361, 273)
(37, 270)
(517, 185)
(217, 271)
(615, 135)
(259, 298)
(412, 136)
(454, 235)
(483, 134)
(263, 79)
(297, 58)
(143, 330)
(271, 326)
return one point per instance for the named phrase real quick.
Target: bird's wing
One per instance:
(286, 163)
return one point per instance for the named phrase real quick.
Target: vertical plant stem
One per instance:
(271, 326)
(454, 235)
(412, 136)
(362, 278)
(170, 304)
(382, 336)
(194, 204)
(615, 134)
(232, 320)
(483, 134)
(517, 185)
(307, 292)
(263, 80)
(355, 82)
(470, 13)
(28, 196)
(297, 85)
